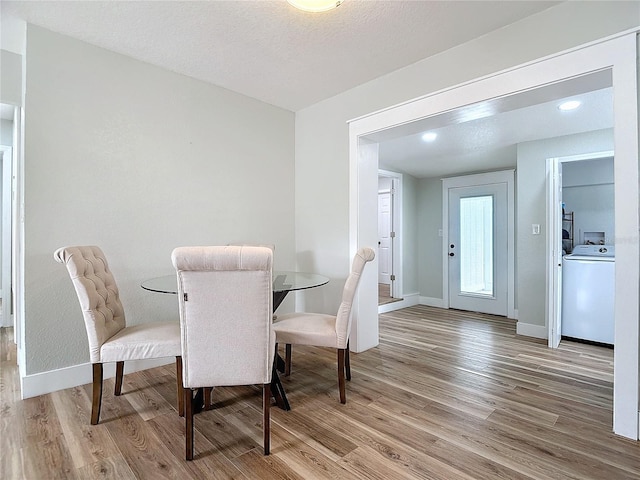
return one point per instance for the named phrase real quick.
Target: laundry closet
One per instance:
(588, 243)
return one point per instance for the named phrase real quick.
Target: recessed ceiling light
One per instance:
(570, 105)
(315, 5)
(429, 136)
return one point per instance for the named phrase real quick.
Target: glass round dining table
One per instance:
(283, 283)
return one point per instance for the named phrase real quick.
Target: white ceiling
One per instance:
(267, 50)
(484, 136)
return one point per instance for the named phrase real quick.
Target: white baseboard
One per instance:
(433, 302)
(54, 380)
(407, 301)
(531, 330)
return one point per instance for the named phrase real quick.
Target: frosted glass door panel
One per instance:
(476, 245)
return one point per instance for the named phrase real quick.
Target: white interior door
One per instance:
(554, 196)
(478, 248)
(385, 255)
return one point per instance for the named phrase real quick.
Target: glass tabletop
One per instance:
(282, 282)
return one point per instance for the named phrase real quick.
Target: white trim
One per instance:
(627, 226)
(531, 330)
(54, 380)
(434, 302)
(5, 242)
(398, 270)
(625, 33)
(554, 233)
(488, 178)
(363, 231)
(17, 241)
(619, 53)
(407, 301)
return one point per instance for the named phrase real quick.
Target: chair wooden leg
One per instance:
(266, 417)
(287, 361)
(206, 401)
(119, 374)
(179, 387)
(341, 385)
(97, 393)
(188, 416)
(347, 363)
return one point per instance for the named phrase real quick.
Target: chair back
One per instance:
(97, 293)
(225, 300)
(343, 318)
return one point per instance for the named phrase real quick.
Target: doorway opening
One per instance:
(389, 238)
(581, 211)
(614, 56)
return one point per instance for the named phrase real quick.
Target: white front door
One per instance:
(385, 256)
(478, 247)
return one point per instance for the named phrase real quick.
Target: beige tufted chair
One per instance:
(324, 330)
(226, 300)
(110, 340)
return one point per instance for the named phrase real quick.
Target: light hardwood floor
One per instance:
(446, 395)
(384, 294)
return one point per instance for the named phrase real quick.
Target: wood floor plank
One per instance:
(214, 465)
(426, 449)
(88, 444)
(144, 452)
(445, 395)
(253, 464)
(49, 459)
(107, 468)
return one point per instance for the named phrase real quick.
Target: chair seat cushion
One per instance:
(138, 342)
(306, 329)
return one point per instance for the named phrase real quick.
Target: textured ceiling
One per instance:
(490, 143)
(485, 136)
(267, 49)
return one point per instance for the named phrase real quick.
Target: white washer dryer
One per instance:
(588, 288)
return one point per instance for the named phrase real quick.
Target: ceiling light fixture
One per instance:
(315, 5)
(429, 136)
(570, 105)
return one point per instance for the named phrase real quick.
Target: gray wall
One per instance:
(530, 202)
(588, 192)
(6, 133)
(531, 193)
(10, 78)
(138, 160)
(322, 137)
(410, 246)
(429, 222)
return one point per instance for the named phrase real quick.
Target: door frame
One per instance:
(554, 238)
(617, 53)
(386, 193)
(5, 243)
(475, 180)
(396, 242)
